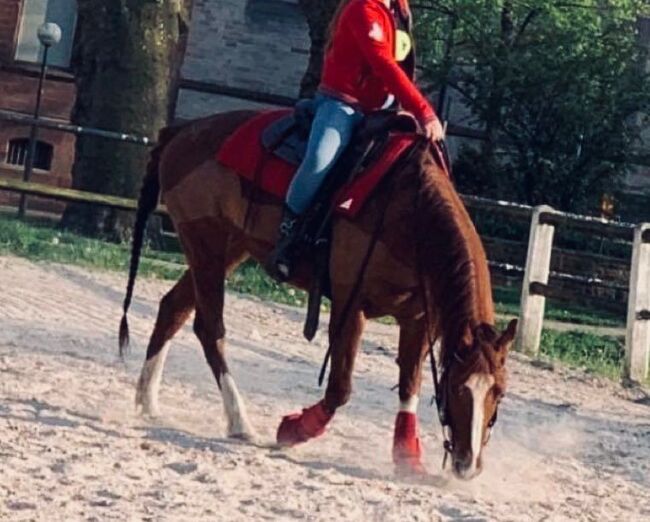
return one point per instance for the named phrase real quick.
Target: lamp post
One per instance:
(49, 34)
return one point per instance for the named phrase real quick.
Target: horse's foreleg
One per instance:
(344, 340)
(174, 310)
(407, 449)
(209, 269)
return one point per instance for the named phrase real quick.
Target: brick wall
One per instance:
(9, 12)
(258, 45)
(18, 86)
(18, 93)
(59, 174)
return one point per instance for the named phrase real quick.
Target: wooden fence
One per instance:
(535, 288)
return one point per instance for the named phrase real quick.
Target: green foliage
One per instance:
(554, 84)
(38, 241)
(249, 278)
(596, 353)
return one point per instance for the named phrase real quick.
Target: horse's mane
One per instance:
(451, 258)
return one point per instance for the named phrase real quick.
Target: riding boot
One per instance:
(280, 260)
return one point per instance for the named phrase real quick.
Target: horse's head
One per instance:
(472, 386)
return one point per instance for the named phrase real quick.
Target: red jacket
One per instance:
(360, 66)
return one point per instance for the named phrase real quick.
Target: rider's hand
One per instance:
(434, 131)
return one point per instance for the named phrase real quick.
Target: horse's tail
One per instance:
(147, 203)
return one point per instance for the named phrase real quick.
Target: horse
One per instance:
(427, 269)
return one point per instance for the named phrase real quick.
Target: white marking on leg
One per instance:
(479, 384)
(238, 423)
(410, 405)
(146, 396)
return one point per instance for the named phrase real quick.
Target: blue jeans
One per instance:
(331, 131)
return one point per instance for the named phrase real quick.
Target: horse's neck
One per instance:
(458, 263)
(478, 299)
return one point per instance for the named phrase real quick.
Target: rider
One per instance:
(368, 58)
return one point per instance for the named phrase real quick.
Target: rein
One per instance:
(374, 239)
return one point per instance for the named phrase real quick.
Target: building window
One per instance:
(36, 12)
(17, 153)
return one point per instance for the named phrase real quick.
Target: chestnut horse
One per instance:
(427, 269)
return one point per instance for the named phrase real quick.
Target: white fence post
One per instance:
(538, 266)
(637, 338)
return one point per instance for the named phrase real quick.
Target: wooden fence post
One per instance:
(637, 338)
(538, 266)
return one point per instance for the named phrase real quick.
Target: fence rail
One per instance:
(71, 195)
(602, 226)
(51, 123)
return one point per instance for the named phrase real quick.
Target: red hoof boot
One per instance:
(300, 427)
(407, 450)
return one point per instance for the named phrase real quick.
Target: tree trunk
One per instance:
(319, 14)
(127, 57)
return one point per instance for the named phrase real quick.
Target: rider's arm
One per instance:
(369, 23)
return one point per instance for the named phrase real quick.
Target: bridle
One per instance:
(441, 391)
(441, 385)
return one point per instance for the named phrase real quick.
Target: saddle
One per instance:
(267, 149)
(287, 139)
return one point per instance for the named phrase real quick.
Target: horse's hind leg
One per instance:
(209, 263)
(174, 310)
(407, 450)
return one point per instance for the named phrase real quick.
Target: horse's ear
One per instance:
(508, 336)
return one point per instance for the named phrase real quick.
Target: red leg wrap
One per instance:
(300, 427)
(407, 449)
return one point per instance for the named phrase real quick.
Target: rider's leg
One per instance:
(331, 131)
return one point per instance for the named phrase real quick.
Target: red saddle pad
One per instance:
(243, 152)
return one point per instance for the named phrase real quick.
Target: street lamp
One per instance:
(49, 34)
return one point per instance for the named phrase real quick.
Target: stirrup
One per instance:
(279, 263)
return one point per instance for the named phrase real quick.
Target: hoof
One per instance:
(242, 432)
(300, 427)
(245, 436)
(146, 408)
(289, 431)
(410, 468)
(407, 450)
(148, 413)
